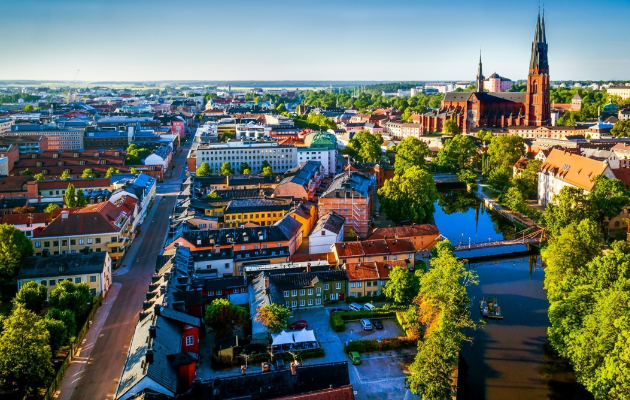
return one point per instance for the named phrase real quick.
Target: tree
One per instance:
(204, 169)
(264, 164)
(527, 182)
(365, 146)
(14, 246)
(409, 152)
(89, 173)
(226, 169)
(621, 128)
(506, 150)
(31, 296)
(222, 317)
(451, 128)
(64, 175)
(409, 196)
(267, 171)
(460, 152)
(274, 316)
(214, 194)
(280, 108)
(25, 363)
(39, 177)
(403, 285)
(81, 200)
(66, 316)
(51, 207)
(133, 170)
(466, 176)
(244, 166)
(499, 177)
(513, 199)
(70, 196)
(569, 205)
(57, 332)
(29, 108)
(27, 172)
(111, 171)
(607, 199)
(69, 296)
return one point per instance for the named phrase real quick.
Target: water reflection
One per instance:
(506, 359)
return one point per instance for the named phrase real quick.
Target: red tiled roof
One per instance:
(362, 271)
(78, 183)
(349, 249)
(14, 183)
(26, 218)
(404, 231)
(93, 219)
(374, 247)
(340, 393)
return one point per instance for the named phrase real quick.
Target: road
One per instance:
(100, 376)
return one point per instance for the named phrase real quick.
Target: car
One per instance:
(338, 309)
(367, 325)
(354, 307)
(301, 324)
(368, 306)
(355, 357)
(377, 323)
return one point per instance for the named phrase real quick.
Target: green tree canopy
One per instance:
(69, 296)
(204, 169)
(70, 196)
(14, 246)
(402, 286)
(267, 171)
(111, 171)
(57, 333)
(451, 128)
(499, 177)
(505, 150)
(81, 200)
(527, 182)
(66, 316)
(569, 205)
(621, 129)
(607, 199)
(51, 207)
(226, 169)
(409, 196)
(243, 167)
(31, 296)
(222, 317)
(213, 195)
(466, 176)
(24, 344)
(89, 173)
(29, 108)
(39, 177)
(64, 175)
(365, 146)
(274, 316)
(460, 152)
(409, 152)
(27, 172)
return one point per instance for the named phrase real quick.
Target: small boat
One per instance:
(490, 309)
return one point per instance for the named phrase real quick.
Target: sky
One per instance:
(395, 40)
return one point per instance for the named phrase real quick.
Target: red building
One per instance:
(499, 109)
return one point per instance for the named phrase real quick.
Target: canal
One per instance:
(507, 359)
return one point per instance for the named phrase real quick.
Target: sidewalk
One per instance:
(78, 363)
(130, 256)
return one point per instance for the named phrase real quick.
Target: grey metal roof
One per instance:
(62, 265)
(331, 221)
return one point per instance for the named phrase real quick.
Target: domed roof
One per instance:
(610, 106)
(320, 139)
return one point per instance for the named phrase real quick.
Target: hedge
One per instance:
(301, 355)
(365, 299)
(371, 345)
(337, 323)
(356, 315)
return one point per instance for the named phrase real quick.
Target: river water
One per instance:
(507, 359)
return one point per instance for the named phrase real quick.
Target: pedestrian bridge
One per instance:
(445, 178)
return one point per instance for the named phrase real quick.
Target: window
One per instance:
(89, 241)
(301, 303)
(319, 291)
(81, 241)
(51, 282)
(368, 283)
(190, 340)
(294, 293)
(92, 278)
(38, 244)
(43, 283)
(301, 292)
(294, 303)
(286, 293)
(353, 284)
(338, 285)
(286, 303)
(73, 242)
(64, 242)
(318, 302)
(77, 280)
(310, 291)
(326, 286)
(310, 302)
(93, 291)
(219, 292)
(359, 284)
(211, 293)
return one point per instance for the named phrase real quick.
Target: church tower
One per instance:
(480, 78)
(537, 106)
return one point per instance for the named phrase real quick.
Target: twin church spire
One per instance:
(539, 60)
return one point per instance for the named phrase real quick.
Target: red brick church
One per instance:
(481, 109)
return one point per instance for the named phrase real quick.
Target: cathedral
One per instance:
(474, 110)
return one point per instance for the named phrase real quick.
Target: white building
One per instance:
(235, 152)
(440, 87)
(563, 168)
(327, 231)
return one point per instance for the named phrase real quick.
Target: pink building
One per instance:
(497, 83)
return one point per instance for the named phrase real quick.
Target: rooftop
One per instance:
(62, 265)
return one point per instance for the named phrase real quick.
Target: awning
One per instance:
(282, 338)
(304, 336)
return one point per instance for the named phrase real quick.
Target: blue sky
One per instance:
(320, 40)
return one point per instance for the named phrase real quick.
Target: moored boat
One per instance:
(490, 309)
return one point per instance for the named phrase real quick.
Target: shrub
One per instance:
(372, 345)
(356, 315)
(222, 362)
(365, 299)
(336, 322)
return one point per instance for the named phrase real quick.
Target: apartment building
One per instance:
(375, 250)
(58, 138)
(235, 152)
(368, 278)
(322, 147)
(93, 269)
(98, 227)
(255, 211)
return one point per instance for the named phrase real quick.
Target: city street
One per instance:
(101, 373)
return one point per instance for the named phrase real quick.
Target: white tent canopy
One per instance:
(304, 336)
(282, 338)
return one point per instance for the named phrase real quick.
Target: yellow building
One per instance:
(262, 212)
(93, 269)
(97, 227)
(306, 214)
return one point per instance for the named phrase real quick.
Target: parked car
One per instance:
(354, 307)
(367, 325)
(369, 306)
(355, 357)
(338, 309)
(301, 324)
(377, 323)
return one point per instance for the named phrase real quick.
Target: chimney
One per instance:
(146, 304)
(243, 369)
(266, 281)
(308, 267)
(293, 368)
(149, 356)
(156, 309)
(152, 331)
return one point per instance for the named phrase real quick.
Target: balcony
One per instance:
(113, 244)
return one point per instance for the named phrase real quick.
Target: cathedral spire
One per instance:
(480, 78)
(539, 47)
(544, 34)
